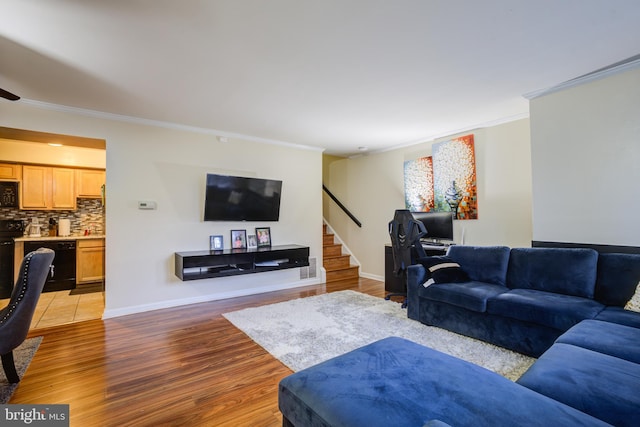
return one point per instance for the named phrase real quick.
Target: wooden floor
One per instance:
(184, 366)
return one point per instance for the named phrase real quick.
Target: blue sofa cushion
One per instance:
(597, 384)
(604, 337)
(443, 269)
(482, 263)
(617, 278)
(544, 308)
(619, 315)
(470, 295)
(562, 271)
(395, 382)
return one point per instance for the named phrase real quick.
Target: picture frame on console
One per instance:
(239, 239)
(216, 243)
(252, 242)
(264, 236)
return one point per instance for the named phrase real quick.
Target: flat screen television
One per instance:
(235, 198)
(439, 225)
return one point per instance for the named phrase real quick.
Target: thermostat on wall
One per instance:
(145, 204)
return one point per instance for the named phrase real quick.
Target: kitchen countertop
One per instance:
(53, 238)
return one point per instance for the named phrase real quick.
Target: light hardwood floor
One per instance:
(185, 366)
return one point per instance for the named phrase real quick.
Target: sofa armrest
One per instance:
(416, 275)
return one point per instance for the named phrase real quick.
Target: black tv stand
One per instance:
(233, 262)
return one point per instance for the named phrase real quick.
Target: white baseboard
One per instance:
(372, 276)
(108, 314)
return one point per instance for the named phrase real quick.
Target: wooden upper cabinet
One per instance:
(36, 187)
(10, 171)
(63, 194)
(45, 187)
(89, 183)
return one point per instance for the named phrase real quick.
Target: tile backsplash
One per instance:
(89, 215)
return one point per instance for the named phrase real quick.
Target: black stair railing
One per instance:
(341, 206)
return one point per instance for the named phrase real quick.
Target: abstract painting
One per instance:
(448, 177)
(418, 184)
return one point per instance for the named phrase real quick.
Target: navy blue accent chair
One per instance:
(15, 318)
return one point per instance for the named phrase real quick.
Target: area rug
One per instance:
(306, 331)
(22, 357)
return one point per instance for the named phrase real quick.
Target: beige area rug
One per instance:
(306, 331)
(22, 357)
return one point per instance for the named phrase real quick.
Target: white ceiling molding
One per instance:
(619, 67)
(162, 124)
(433, 138)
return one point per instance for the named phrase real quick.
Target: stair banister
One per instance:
(341, 206)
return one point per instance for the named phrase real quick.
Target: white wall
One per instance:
(169, 167)
(372, 187)
(586, 162)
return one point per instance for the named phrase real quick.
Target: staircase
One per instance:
(337, 266)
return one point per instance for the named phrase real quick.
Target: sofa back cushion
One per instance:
(557, 270)
(617, 279)
(482, 263)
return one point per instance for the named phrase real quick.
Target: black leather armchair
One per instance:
(15, 318)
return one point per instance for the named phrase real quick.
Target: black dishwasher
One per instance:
(62, 274)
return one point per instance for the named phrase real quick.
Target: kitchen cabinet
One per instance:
(89, 183)
(47, 188)
(10, 171)
(89, 260)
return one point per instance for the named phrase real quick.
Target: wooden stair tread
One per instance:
(336, 264)
(338, 268)
(342, 274)
(337, 256)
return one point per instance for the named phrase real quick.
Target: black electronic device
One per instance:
(9, 194)
(234, 198)
(439, 226)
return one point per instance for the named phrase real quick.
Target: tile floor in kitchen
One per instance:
(61, 307)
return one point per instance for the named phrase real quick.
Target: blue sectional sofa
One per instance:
(564, 305)
(523, 299)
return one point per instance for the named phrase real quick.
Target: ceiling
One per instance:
(335, 74)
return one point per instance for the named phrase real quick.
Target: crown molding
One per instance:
(451, 133)
(162, 124)
(617, 68)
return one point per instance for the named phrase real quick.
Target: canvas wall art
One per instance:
(418, 184)
(448, 177)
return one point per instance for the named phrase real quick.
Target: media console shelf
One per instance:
(232, 262)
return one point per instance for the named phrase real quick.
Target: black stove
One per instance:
(9, 229)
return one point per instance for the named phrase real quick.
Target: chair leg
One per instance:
(404, 301)
(10, 368)
(395, 294)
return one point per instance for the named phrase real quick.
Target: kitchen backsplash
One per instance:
(89, 215)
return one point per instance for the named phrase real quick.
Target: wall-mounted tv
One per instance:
(235, 198)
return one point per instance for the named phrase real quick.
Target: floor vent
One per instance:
(312, 267)
(309, 271)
